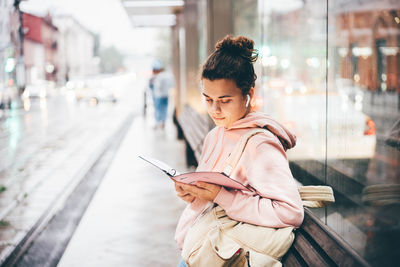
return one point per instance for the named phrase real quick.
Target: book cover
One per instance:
(193, 177)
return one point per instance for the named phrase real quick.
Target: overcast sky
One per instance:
(106, 17)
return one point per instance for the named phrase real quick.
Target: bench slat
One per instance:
(339, 251)
(191, 128)
(308, 253)
(200, 122)
(291, 259)
(189, 131)
(195, 128)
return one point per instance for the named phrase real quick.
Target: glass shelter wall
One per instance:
(330, 71)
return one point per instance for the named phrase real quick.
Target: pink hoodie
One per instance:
(263, 166)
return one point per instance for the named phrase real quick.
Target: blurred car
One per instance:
(7, 95)
(38, 89)
(94, 91)
(348, 89)
(289, 87)
(83, 91)
(295, 87)
(106, 94)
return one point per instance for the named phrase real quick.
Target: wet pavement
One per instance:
(132, 217)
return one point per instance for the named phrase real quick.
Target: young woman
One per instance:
(228, 81)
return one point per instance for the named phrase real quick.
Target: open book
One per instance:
(193, 177)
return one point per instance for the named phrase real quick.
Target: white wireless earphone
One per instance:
(248, 101)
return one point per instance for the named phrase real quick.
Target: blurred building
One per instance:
(7, 60)
(76, 50)
(54, 49)
(10, 50)
(40, 48)
(50, 35)
(6, 47)
(367, 39)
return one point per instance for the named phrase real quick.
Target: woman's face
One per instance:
(225, 102)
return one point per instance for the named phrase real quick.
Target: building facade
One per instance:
(40, 48)
(368, 40)
(50, 38)
(5, 41)
(76, 50)
(7, 55)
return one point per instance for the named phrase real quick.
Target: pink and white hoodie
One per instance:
(263, 166)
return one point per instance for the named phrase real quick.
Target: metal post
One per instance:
(20, 68)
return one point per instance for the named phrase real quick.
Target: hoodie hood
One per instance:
(261, 120)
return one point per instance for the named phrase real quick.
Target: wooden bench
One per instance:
(315, 243)
(193, 128)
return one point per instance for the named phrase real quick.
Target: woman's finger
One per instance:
(188, 198)
(188, 188)
(183, 194)
(178, 187)
(204, 185)
(208, 186)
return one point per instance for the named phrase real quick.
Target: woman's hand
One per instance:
(180, 192)
(201, 190)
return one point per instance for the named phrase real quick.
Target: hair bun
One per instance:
(240, 46)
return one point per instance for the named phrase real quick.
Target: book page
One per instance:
(161, 165)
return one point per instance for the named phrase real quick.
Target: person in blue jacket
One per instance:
(161, 84)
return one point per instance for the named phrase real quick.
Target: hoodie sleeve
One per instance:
(266, 168)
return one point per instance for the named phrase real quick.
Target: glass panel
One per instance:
(246, 22)
(345, 111)
(293, 59)
(202, 29)
(363, 154)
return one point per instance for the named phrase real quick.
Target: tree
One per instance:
(111, 60)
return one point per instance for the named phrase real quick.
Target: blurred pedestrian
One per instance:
(149, 90)
(228, 81)
(160, 85)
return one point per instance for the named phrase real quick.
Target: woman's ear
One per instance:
(251, 92)
(252, 100)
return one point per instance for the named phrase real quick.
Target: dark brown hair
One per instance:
(233, 59)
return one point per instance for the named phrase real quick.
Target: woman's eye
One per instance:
(225, 101)
(209, 100)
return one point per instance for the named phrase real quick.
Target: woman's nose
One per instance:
(216, 106)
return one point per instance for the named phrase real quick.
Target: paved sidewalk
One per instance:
(132, 217)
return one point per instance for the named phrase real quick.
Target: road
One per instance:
(49, 130)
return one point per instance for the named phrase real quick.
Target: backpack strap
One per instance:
(237, 152)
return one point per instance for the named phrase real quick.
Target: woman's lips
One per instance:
(218, 119)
